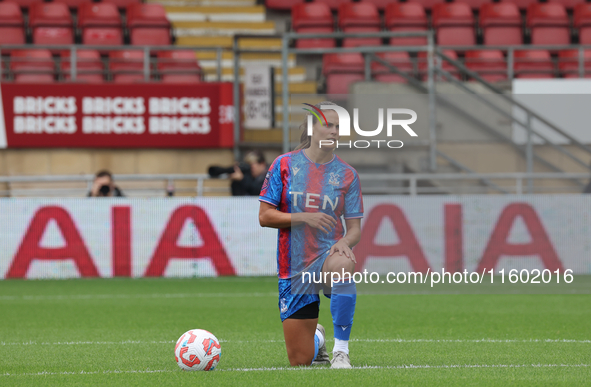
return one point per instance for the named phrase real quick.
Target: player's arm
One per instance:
(269, 216)
(346, 243)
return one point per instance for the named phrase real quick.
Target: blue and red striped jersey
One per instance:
(295, 184)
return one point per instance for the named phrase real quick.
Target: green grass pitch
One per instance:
(122, 332)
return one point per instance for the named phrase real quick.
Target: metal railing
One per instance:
(168, 185)
(149, 68)
(434, 58)
(372, 183)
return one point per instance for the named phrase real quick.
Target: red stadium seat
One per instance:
(568, 63)
(75, 4)
(445, 65)
(582, 21)
(570, 4)
(476, 4)
(489, 64)
(122, 4)
(26, 3)
(359, 17)
(178, 66)
(401, 60)
(32, 66)
(427, 4)
(381, 4)
(406, 17)
(548, 23)
(127, 66)
(501, 24)
(89, 67)
(51, 24)
(533, 64)
(454, 24)
(148, 25)
(521, 4)
(282, 4)
(313, 18)
(100, 24)
(341, 70)
(333, 4)
(12, 27)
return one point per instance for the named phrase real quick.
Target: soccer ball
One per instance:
(197, 350)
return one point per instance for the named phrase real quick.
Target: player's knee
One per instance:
(299, 358)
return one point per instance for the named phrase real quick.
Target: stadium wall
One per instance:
(175, 237)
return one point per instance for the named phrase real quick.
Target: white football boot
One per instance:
(322, 356)
(340, 360)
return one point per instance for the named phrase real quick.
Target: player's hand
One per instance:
(321, 221)
(342, 248)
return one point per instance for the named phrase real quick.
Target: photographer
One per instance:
(247, 177)
(103, 186)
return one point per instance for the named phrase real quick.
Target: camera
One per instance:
(104, 190)
(217, 171)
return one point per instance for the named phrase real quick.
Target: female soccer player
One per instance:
(304, 195)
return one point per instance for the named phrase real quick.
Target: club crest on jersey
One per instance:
(333, 178)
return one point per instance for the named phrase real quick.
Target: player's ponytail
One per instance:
(305, 140)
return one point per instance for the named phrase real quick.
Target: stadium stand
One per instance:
(25, 4)
(475, 4)
(569, 4)
(548, 23)
(423, 68)
(533, 64)
(582, 21)
(568, 63)
(501, 24)
(148, 25)
(402, 62)
(381, 4)
(32, 66)
(341, 70)
(12, 24)
(75, 4)
(359, 18)
(89, 67)
(407, 17)
(100, 24)
(122, 4)
(51, 23)
(333, 4)
(490, 64)
(427, 4)
(282, 4)
(126, 66)
(521, 4)
(178, 67)
(313, 18)
(454, 24)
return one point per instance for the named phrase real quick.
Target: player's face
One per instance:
(327, 133)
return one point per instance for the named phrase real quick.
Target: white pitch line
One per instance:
(131, 296)
(262, 369)
(401, 341)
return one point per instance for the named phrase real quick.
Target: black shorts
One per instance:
(307, 312)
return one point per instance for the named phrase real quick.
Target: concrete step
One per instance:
(208, 59)
(227, 42)
(210, 28)
(295, 74)
(215, 13)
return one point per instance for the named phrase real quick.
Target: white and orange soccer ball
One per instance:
(197, 350)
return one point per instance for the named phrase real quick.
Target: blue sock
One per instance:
(342, 308)
(316, 346)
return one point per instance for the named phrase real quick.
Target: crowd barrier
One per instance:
(194, 237)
